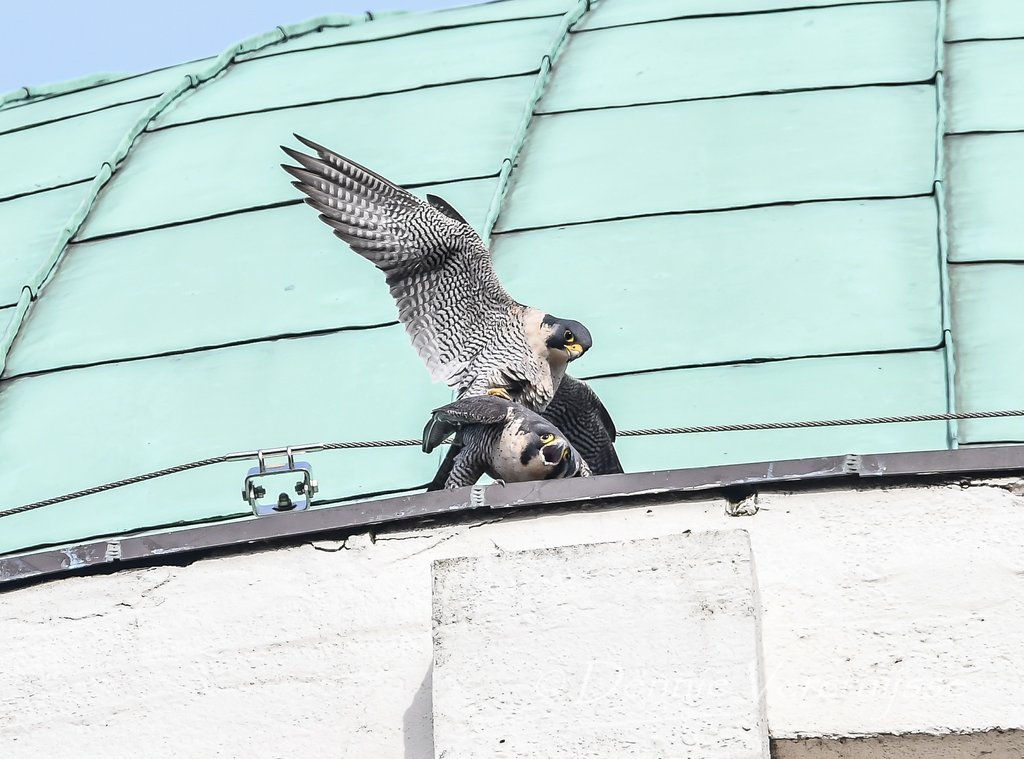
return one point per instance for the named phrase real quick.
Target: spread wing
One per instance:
(448, 295)
(579, 414)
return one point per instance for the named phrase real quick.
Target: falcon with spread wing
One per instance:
(467, 329)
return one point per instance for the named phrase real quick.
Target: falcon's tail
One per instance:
(436, 431)
(445, 470)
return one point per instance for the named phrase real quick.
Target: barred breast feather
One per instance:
(463, 324)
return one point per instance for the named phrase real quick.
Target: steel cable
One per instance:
(697, 429)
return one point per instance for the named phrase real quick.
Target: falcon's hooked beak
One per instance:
(575, 350)
(555, 451)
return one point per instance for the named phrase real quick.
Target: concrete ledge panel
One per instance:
(637, 648)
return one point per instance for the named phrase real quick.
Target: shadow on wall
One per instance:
(418, 721)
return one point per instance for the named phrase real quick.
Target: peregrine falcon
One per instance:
(467, 329)
(579, 413)
(500, 438)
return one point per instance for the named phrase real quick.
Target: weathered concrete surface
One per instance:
(993, 744)
(884, 611)
(637, 648)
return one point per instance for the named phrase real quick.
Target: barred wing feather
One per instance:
(439, 270)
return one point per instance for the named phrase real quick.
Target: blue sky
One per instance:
(52, 40)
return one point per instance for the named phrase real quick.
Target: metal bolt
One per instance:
(252, 492)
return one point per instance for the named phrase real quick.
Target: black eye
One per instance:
(569, 336)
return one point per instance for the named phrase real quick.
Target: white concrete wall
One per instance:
(884, 611)
(634, 648)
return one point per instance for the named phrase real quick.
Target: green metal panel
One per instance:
(820, 388)
(240, 277)
(974, 19)
(819, 277)
(87, 426)
(985, 86)
(192, 171)
(607, 14)
(988, 312)
(985, 185)
(75, 149)
(93, 98)
(29, 228)
(488, 51)
(416, 23)
(774, 282)
(865, 142)
(673, 60)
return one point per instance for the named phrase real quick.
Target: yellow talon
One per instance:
(500, 392)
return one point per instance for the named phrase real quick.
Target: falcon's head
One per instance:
(547, 455)
(565, 335)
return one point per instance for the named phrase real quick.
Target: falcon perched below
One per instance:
(502, 439)
(469, 332)
(578, 412)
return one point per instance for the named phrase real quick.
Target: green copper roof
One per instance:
(750, 203)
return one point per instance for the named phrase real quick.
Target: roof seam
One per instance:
(1005, 441)
(253, 209)
(983, 132)
(772, 360)
(722, 209)
(199, 349)
(1013, 38)
(519, 136)
(757, 12)
(988, 262)
(754, 93)
(323, 331)
(344, 98)
(69, 116)
(188, 83)
(41, 190)
(413, 33)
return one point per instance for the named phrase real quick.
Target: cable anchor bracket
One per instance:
(256, 486)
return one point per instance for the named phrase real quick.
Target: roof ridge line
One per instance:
(288, 31)
(189, 82)
(77, 84)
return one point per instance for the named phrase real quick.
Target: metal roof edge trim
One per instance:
(112, 553)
